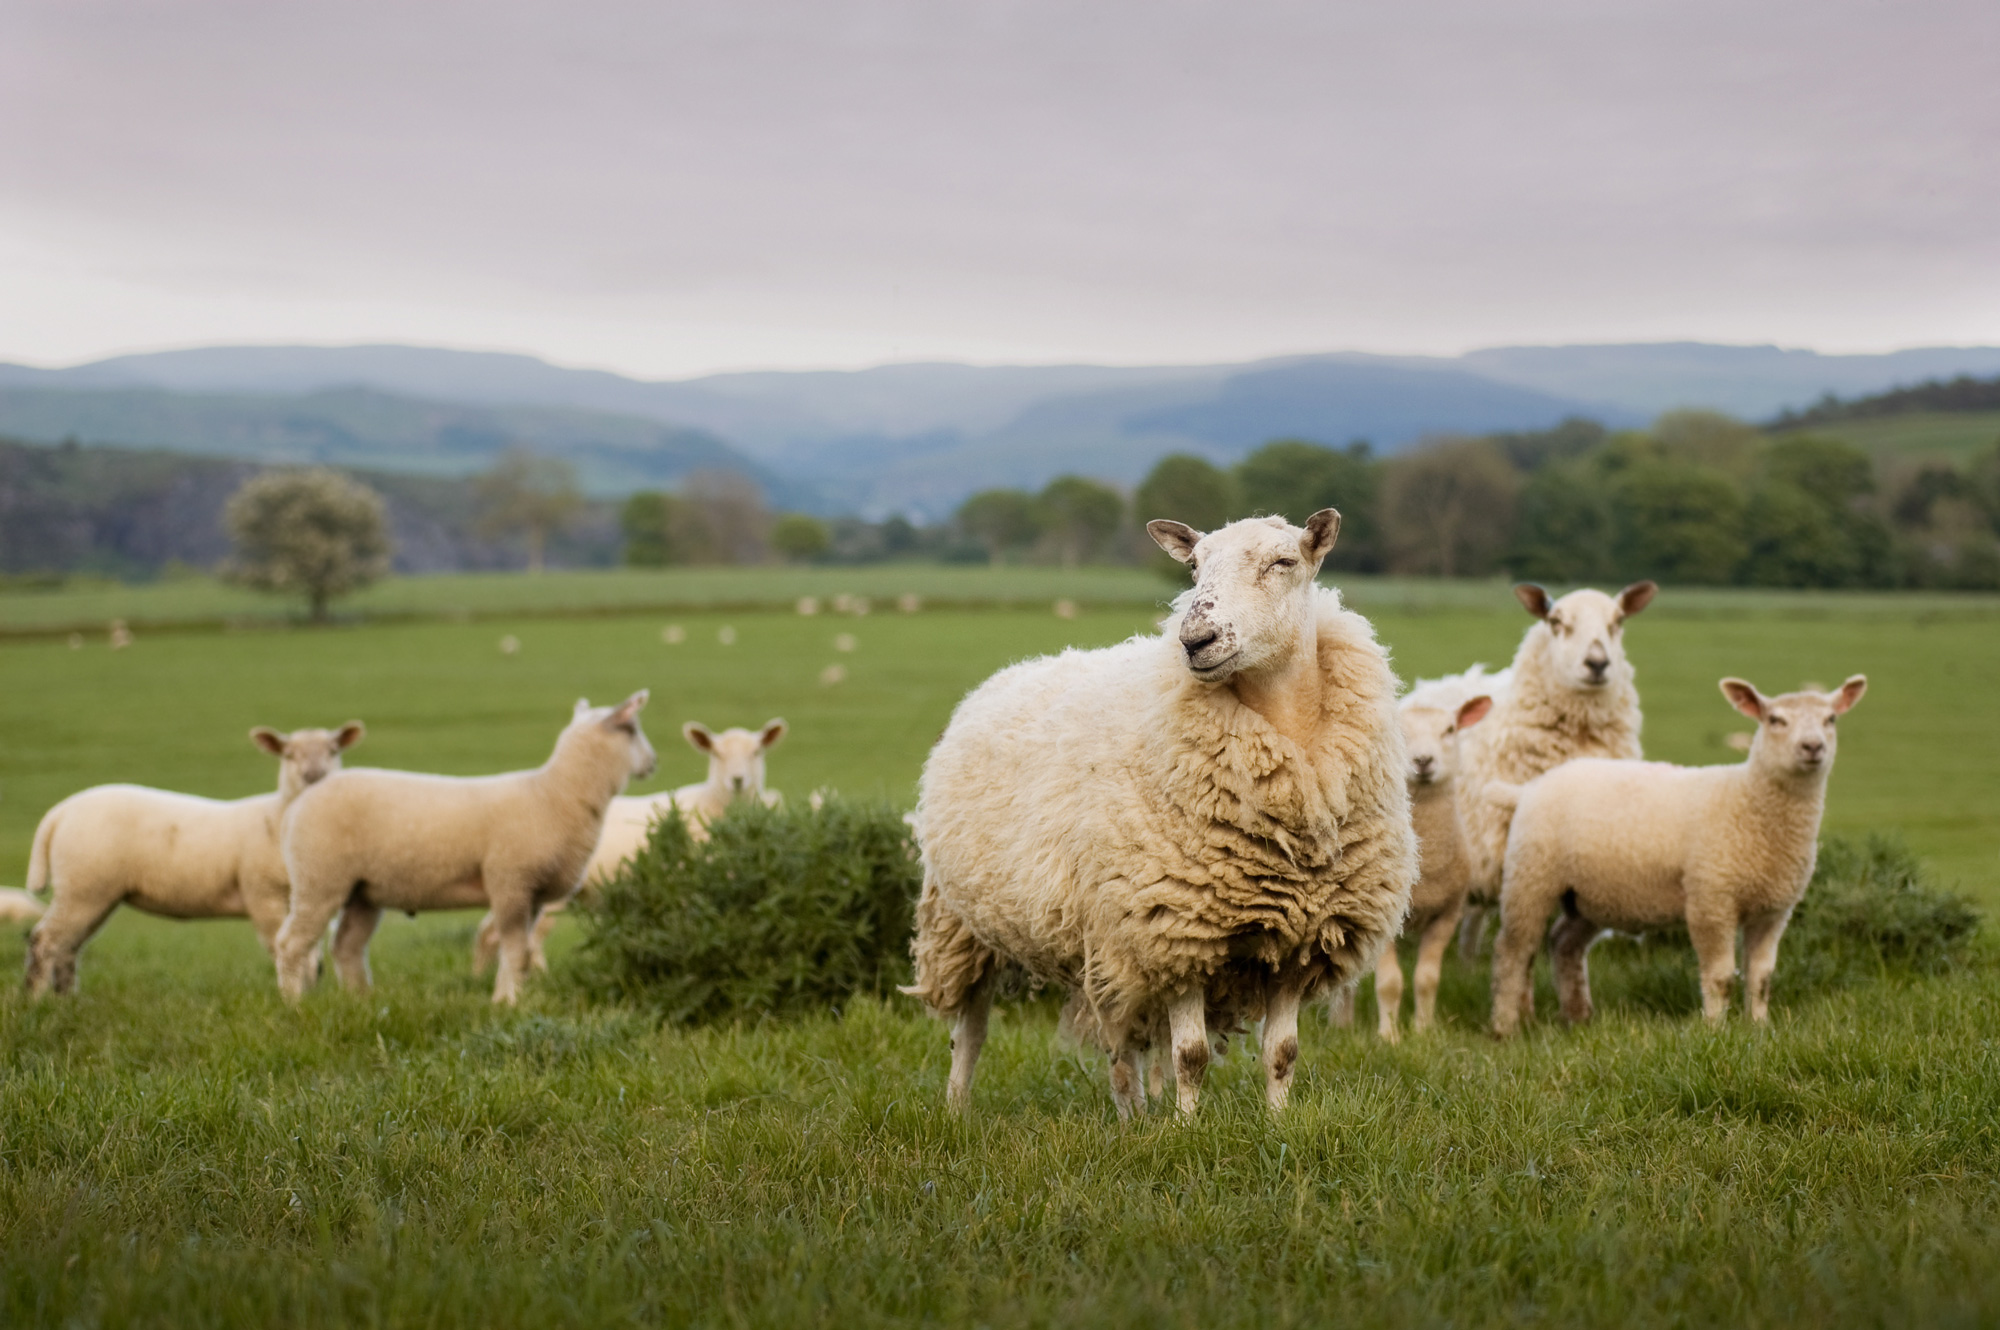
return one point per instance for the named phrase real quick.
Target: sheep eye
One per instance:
(1286, 563)
(1777, 722)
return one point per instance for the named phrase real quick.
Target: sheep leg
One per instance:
(1514, 965)
(1569, 957)
(1340, 1006)
(1760, 959)
(1158, 1064)
(1187, 1017)
(514, 917)
(1431, 945)
(305, 924)
(1472, 931)
(52, 946)
(1715, 949)
(538, 955)
(485, 943)
(1128, 1083)
(1280, 1039)
(1388, 993)
(350, 945)
(968, 1036)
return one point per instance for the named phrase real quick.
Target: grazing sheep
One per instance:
(170, 854)
(1637, 845)
(735, 772)
(1568, 694)
(364, 841)
(1433, 715)
(1187, 831)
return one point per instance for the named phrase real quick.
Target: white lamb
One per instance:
(735, 773)
(364, 841)
(1630, 846)
(170, 854)
(1190, 830)
(1568, 694)
(1433, 715)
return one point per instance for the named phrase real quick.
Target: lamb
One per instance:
(1187, 831)
(170, 854)
(735, 772)
(1568, 694)
(1433, 715)
(1636, 845)
(364, 841)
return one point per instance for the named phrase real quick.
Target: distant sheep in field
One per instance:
(1630, 846)
(170, 854)
(1191, 830)
(735, 773)
(1568, 694)
(366, 841)
(1433, 716)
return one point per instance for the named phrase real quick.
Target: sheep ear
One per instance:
(700, 736)
(582, 705)
(1474, 710)
(1850, 693)
(1533, 599)
(1322, 529)
(349, 735)
(1637, 597)
(1176, 538)
(269, 740)
(1744, 696)
(774, 730)
(626, 714)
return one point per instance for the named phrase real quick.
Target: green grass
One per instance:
(176, 1148)
(1957, 435)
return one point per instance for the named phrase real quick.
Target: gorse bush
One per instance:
(781, 911)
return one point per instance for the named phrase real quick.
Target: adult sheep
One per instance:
(1192, 829)
(1568, 694)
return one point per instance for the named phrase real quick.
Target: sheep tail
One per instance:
(1502, 794)
(38, 855)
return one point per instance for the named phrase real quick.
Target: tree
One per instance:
(1294, 479)
(1000, 519)
(724, 518)
(1678, 523)
(800, 538)
(1078, 516)
(1449, 508)
(648, 521)
(531, 495)
(315, 533)
(1793, 539)
(1188, 489)
(1562, 526)
(1833, 471)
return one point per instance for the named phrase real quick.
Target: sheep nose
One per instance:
(1195, 636)
(1424, 762)
(1814, 749)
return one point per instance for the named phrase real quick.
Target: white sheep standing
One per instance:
(1187, 831)
(177, 855)
(1568, 694)
(735, 773)
(364, 841)
(1630, 846)
(1433, 715)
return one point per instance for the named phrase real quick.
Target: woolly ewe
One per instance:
(170, 854)
(1191, 830)
(1638, 845)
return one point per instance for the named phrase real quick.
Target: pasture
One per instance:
(178, 1148)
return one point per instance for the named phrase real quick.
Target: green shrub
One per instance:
(781, 911)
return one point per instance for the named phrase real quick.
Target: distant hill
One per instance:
(915, 437)
(1962, 394)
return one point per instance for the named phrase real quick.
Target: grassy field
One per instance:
(177, 1148)
(1957, 435)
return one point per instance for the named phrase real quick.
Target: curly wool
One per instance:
(1111, 824)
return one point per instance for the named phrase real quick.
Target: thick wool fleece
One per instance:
(1537, 723)
(1113, 825)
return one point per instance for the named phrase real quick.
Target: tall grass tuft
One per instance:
(782, 911)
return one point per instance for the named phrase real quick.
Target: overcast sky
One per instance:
(666, 188)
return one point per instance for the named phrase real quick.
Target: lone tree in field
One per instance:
(533, 496)
(312, 533)
(999, 519)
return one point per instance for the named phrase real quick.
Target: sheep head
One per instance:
(614, 726)
(1253, 588)
(1796, 732)
(306, 757)
(1580, 638)
(735, 756)
(1430, 736)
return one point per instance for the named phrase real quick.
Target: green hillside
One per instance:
(1957, 435)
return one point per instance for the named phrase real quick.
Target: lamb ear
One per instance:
(269, 740)
(1474, 710)
(1322, 529)
(582, 705)
(1743, 695)
(700, 736)
(1533, 599)
(349, 735)
(1637, 597)
(774, 730)
(1850, 693)
(626, 714)
(1176, 538)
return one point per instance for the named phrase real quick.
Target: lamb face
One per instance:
(1581, 637)
(1253, 587)
(1796, 732)
(307, 756)
(735, 756)
(1430, 735)
(617, 725)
